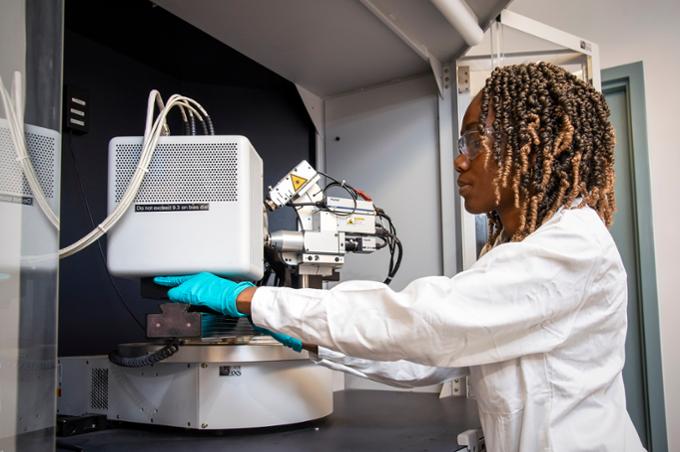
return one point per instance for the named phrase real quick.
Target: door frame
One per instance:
(629, 79)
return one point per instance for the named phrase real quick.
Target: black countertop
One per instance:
(361, 421)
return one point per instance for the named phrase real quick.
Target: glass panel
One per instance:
(30, 44)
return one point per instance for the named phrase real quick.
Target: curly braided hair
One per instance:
(553, 143)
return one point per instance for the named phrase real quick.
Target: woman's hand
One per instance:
(225, 296)
(206, 289)
(244, 299)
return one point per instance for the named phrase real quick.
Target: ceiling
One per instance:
(332, 46)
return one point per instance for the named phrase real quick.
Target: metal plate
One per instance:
(258, 350)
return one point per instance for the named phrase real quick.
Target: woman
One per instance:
(540, 318)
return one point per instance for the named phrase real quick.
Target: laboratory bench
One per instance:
(362, 420)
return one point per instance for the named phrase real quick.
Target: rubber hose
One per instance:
(145, 360)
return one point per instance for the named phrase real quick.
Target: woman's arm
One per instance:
(403, 374)
(519, 299)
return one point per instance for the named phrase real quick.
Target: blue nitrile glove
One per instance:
(288, 341)
(205, 289)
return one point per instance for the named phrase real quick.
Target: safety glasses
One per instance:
(470, 143)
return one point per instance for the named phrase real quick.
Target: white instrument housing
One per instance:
(199, 208)
(39, 239)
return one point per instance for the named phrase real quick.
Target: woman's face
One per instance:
(475, 181)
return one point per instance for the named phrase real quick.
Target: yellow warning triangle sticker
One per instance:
(297, 181)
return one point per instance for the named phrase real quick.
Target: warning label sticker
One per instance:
(297, 181)
(173, 207)
(15, 199)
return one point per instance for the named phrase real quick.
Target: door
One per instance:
(632, 232)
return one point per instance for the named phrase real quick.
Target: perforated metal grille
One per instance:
(186, 172)
(41, 150)
(99, 391)
(213, 326)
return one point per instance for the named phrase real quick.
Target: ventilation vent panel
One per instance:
(181, 172)
(99, 389)
(41, 150)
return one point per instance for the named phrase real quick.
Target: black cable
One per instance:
(64, 445)
(350, 191)
(206, 131)
(211, 128)
(388, 236)
(146, 360)
(192, 123)
(393, 243)
(99, 244)
(323, 205)
(348, 188)
(185, 121)
(265, 276)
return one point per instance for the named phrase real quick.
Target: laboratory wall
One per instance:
(116, 67)
(628, 31)
(384, 140)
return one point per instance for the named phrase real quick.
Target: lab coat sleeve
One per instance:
(518, 299)
(401, 374)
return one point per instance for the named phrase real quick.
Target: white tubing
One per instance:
(13, 106)
(463, 19)
(148, 147)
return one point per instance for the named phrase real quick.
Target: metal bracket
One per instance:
(174, 321)
(556, 36)
(419, 48)
(446, 128)
(441, 76)
(473, 439)
(455, 388)
(463, 79)
(314, 106)
(316, 109)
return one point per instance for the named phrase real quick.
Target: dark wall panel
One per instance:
(118, 69)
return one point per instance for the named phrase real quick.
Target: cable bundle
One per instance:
(389, 236)
(189, 108)
(385, 232)
(152, 134)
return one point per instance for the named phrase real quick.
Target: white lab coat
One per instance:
(541, 323)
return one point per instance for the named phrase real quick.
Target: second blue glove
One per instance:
(288, 341)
